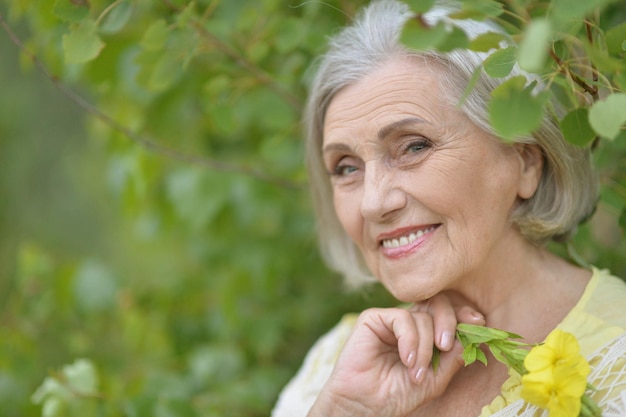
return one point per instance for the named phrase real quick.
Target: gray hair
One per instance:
(568, 189)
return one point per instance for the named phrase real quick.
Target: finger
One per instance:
(468, 314)
(465, 311)
(395, 328)
(444, 320)
(448, 309)
(424, 348)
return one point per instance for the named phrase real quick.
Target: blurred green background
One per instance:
(193, 291)
(192, 283)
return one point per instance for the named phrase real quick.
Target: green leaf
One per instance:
(155, 37)
(82, 44)
(81, 376)
(622, 220)
(117, 18)
(196, 196)
(500, 63)
(455, 39)
(510, 353)
(487, 41)
(564, 92)
(217, 86)
(71, 10)
(615, 38)
(620, 80)
(608, 116)
(480, 355)
(257, 51)
(534, 48)
(514, 111)
(50, 387)
(469, 354)
(290, 35)
(478, 10)
(95, 288)
(421, 6)
(462, 338)
(602, 60)
(417, 37)
(54, 407)
(184, 18)
(576, 128)
(612, 197)
(497, 353)
(470, 85)
(436, 358)
(223, 117)
(565, 11)
(166, 71)
(482, 334)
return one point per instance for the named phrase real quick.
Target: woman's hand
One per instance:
(385, 367)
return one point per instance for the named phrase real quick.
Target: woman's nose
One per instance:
(382, 195)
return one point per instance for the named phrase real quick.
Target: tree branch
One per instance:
(564, 69)
(594, 70)
(240, 60)
(262, 76)
(143, 141)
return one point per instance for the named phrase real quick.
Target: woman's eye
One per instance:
(344, 166)
(343, 170)
(416, 146)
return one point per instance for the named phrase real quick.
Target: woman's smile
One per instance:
(404, 241)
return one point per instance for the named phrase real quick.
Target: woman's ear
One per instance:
(531, 159)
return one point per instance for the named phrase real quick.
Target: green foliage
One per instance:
(74, 384)
(498, 341)
(533, 50)
(515, 110)
(576, 49)
(161, 229)
(82, 44)
(576, 128)
(608, 116)
(500, 63)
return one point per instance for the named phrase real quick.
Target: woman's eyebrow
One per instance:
(390, 128)
(338, 147)
(382, 133)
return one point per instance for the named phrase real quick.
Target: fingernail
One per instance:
(409, 360)
(419, 375)
(478, 316)
(446, 341)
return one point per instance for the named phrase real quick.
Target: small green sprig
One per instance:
(500, 344)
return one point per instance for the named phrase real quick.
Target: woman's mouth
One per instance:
(401, 245)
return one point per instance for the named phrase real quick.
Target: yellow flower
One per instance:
(556, 376)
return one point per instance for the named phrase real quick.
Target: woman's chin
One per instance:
(410, 292)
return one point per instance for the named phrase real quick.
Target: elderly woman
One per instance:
(421, 193)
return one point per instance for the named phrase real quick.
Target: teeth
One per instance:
(405, 240)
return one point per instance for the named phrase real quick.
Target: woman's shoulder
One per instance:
(300, 393)
(600, 315)
(607, 298)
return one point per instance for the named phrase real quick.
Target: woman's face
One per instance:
(424, 193)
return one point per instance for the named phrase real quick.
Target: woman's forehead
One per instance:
(398, 91)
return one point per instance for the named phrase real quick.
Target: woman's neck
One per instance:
(525, 289)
